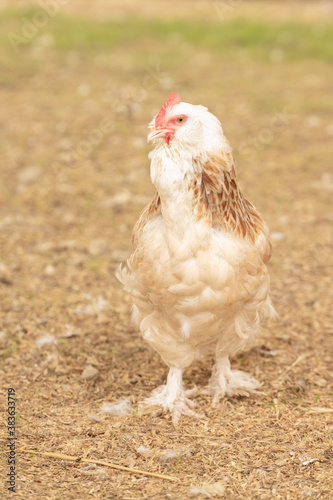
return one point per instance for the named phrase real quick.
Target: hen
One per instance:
(197, 276)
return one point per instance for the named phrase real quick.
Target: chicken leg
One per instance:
(172, 397)
(225, 381)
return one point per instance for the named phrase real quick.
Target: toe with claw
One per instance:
(227, 382)
(172, 397)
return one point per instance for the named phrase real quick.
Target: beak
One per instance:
(156, 134)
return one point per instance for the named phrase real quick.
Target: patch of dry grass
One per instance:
(68, 209)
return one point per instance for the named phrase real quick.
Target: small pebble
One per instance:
(49, 270)
(90, 373)
(3, 338)
(98, 247)
(29, 175)
(5, 274)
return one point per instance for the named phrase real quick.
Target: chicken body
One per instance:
(197, 275)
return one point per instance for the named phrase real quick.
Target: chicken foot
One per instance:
(172, 397)
(227, 382)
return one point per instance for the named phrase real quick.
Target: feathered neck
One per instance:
(229, 208)
(205, 188)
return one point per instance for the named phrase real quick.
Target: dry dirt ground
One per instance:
(74, 177)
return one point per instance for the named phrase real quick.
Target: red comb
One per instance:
(171, 101)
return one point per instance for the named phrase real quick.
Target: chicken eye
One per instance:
(179, 120)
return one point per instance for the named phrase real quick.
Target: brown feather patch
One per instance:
(230, 210)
